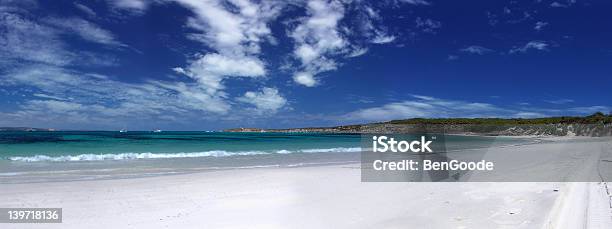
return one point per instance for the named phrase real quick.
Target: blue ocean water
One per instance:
(70, 155)
(105, 145)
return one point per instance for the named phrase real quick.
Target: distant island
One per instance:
(597, 124)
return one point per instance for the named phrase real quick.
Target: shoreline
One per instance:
(104, 168)
(312, 197)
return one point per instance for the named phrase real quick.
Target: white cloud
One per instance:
(431, 107)
(540, 25)
(428, 25)
(383, 39)
(529, 115)
(85, 9)
(102, 97)
(591, 109)
(426, 106)
(235, 35)
(232, 33)
(475, 49)
(416, 2)
(210, 69)
(84, 29)
(537, 45)
(557, 5)
(317, 38)
(560, 101)
(566, 4)
(45, 96)
(25, 40)
(52, 106)
(305, 78)
(136, 6)
(266, 101)
(235, 30)
(424, 97)
(391, 111)
(358, 52)
(371, 26)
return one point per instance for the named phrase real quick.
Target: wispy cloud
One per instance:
(84, 29)
(322, 38)
(427, 106)
(317, 38)
(432, 107)
(359, 99)
(560, 101)
(28, 41)
(475, 49)
(563, 4)
(85, 9)
(232, 31)
(591, 109)
(535, 45)
(540, 25)
(527, 114)
(370, 24)
(267, 101)
(358, 52)
(77, 97)
(45, 96)
(210, 69)
(416, 2)
(132, 6)
(427, 25)
(383, 39)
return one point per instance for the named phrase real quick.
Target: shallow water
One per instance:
(70, 155)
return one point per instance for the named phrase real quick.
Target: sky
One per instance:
(215, 64)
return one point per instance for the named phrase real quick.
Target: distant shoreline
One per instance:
(461, 126)
(597, 124)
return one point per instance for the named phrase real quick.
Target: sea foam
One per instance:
(212, 153)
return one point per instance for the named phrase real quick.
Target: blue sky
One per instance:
(213, 64)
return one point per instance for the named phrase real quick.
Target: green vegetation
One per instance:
(596, 118)
(496, 126)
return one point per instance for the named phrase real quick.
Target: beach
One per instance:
(305, 114)
(323, 196)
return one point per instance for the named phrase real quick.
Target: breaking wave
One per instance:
(132, 156)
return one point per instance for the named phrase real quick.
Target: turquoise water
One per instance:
(78, 155)
(86, 146)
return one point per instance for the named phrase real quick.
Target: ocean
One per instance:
(77, 155)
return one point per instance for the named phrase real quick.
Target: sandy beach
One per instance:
(313, 197)
(305, 114)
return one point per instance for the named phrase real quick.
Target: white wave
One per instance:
(132, 156)
(332, 150)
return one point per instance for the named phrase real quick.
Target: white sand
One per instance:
(310, 197)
